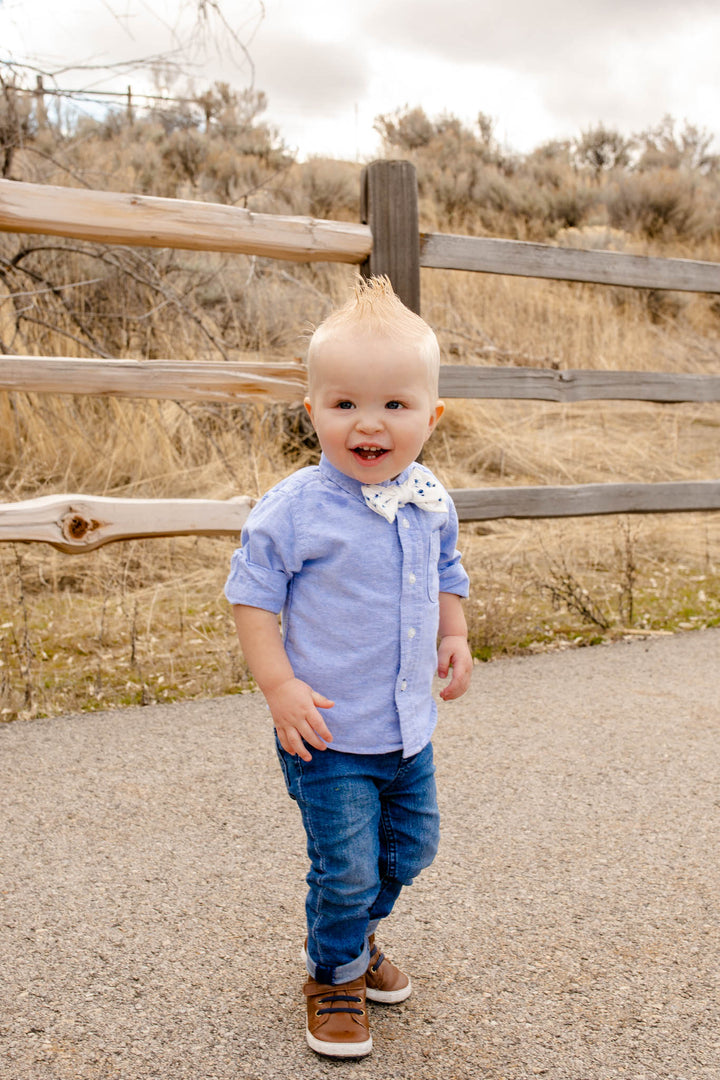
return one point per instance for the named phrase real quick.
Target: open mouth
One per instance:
(368, 453)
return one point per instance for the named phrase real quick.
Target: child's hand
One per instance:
(294, 707)
(454, 654)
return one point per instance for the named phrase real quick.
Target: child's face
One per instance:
(371, 405)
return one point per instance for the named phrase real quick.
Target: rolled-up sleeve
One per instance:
(453, 578)
(261, 569)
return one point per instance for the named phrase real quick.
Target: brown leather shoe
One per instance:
(337, 1021)
(383, 981)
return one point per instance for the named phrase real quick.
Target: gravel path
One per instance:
(152, 886)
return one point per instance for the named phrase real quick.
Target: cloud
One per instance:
(524, 31)
(309, 75)
(328, 67)
(551, 70)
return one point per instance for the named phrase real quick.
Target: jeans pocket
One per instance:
(286, 765)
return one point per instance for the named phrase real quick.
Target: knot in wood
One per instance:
(76, 527)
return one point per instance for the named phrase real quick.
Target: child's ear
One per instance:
(435, 416)
(308, 406)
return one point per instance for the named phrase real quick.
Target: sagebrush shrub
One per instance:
(664, 204)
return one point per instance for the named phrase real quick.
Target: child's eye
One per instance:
(344, 405)
(394, 405)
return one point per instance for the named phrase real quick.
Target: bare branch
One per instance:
(102, 353)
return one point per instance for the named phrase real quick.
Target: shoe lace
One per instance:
(344, 1008)
(375, 964)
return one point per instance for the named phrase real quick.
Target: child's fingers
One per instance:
(458, 684)
(292, 742)
(459, 666)
(449, 692)
(318, 722)
(297, 720)
(316, 739)
(453, 690)
(445, 660)
(296, 741)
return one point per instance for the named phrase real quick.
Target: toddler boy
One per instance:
(359, 554)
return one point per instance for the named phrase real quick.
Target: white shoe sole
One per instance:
(389, 997)
(339, 1050)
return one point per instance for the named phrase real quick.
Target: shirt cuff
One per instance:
(256, 586)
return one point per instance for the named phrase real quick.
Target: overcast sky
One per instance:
(329, 67)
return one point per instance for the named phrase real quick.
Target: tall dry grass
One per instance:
(146, 621)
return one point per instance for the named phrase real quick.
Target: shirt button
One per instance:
(411, 632)
(403, 684)
(412, 579)
(405, 523)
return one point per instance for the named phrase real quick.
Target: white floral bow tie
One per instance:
(419, 488)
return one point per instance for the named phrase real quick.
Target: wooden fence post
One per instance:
(389, 205)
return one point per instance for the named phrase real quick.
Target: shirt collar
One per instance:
(354, 487)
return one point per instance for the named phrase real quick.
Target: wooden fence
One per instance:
(388, 242)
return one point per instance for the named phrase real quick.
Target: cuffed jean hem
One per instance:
(337, 976)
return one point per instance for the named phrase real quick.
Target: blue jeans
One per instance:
(372, 825)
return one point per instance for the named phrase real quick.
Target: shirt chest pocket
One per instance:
(433, 574)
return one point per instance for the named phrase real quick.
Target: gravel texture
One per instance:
(152, 886)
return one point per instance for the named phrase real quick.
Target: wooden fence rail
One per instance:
(491, 256)
(582, 500)
(79, 523)
(76, 524)
(236, 382)
(388, 241)
(170, 379)
(150, 221)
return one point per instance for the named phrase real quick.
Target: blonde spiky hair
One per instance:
(375, 308)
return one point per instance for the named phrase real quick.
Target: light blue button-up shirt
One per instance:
(359, 601)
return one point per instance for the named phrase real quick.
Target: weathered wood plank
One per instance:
(484, 504)
(537, 384)
(518, 257)
(389, 205)
(79, 523)
(148, 221)
(245, 381)
(176, 380)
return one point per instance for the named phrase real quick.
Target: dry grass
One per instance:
(146, 621)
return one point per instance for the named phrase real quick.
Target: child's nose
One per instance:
(369, 420)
